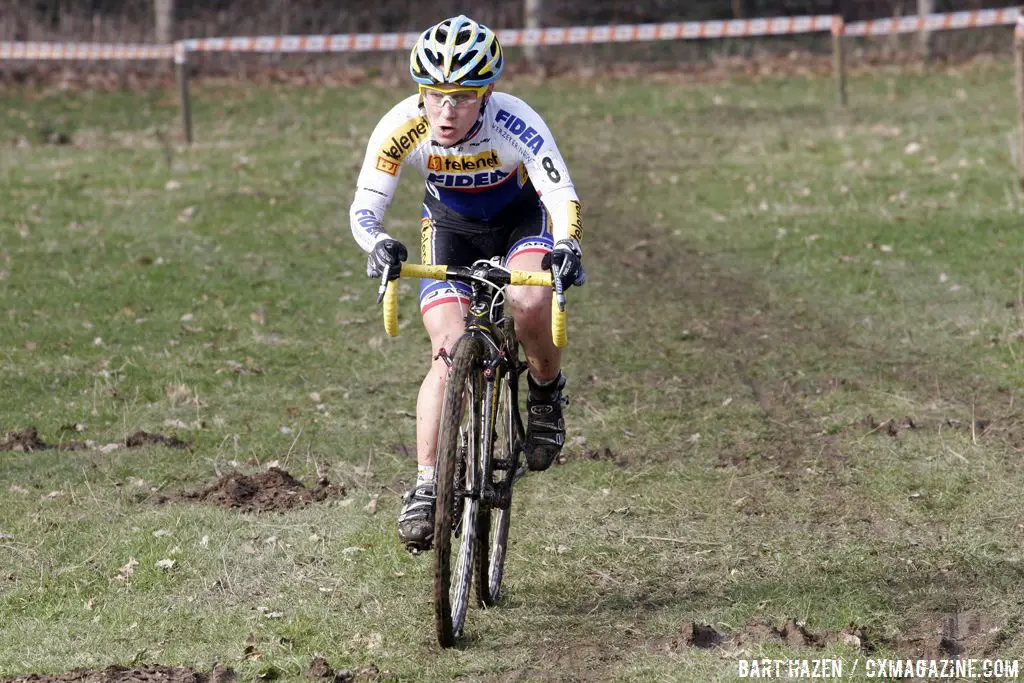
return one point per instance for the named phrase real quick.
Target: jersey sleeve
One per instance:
(527, 132)
(390, 143)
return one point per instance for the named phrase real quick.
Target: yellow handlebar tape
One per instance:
(557, 323)
(526, 277)
(424, 271)
(391, 309)
(518, 277)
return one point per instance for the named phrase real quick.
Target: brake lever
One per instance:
(383, 287)
(556, 280)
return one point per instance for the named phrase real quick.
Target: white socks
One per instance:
(424, 474)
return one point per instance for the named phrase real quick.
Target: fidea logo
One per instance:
(515, 125)
(401, 140)
(465, 180)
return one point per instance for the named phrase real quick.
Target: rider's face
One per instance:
(452, 111)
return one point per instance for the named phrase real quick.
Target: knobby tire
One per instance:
(493, 523)
(465, 374)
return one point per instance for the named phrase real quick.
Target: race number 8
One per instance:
(549, 166)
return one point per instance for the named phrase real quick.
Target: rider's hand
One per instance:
(387, 256)
(567, 259)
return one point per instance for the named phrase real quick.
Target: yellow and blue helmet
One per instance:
(457, 51)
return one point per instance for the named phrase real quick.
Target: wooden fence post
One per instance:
(164, 25)
(924, 35)
(181, 66)
(531, 12)
(1018, 61)
(838, 59)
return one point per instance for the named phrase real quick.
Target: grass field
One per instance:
(793, 377)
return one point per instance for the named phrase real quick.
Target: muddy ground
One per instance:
(964, 634)
(28, 440)
(275, 490)
(319, 670)
(943, 636)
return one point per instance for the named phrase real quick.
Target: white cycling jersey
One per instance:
(508, 145)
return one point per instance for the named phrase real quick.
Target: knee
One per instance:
(532, 312)
(444, 327)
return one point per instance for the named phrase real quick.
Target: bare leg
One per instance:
(444, 324)
(416, 520)
(531, 308)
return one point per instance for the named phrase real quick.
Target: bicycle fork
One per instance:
(468, 459)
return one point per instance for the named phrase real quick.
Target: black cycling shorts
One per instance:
(452, 239)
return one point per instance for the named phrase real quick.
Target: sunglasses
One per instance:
(458, 98)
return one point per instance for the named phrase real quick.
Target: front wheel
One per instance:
(493, 522)
(454, 533)
(492, 539)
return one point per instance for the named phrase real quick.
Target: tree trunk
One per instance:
(164, 11)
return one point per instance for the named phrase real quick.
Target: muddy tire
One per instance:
(455, 539)
(492, 525)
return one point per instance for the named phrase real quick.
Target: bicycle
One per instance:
(481, 437)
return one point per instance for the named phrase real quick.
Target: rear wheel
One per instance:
(455, 521)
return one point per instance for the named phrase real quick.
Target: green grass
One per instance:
(765, 272)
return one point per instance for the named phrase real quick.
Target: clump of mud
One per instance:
(702, 636)
(586, 453)
(320, 670)
(146, 673)
(272, 491)
(895, 426)
(761, 631)
(791, 633)
(891, 427)
(27, 441)
(141, 438)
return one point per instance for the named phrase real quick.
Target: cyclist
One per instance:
(496, 185)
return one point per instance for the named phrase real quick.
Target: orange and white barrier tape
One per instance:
(570, 35)
(689, 30)
(622, 33)
(355, 42)
(76, 51)
(934, 22)
(573, 35)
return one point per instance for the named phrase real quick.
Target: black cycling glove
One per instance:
(567, 258)
(387, 256)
